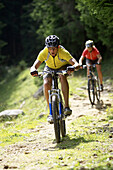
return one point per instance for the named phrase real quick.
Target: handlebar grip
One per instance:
(34, 73)
(97, 63)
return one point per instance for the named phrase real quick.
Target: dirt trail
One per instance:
(12, 156)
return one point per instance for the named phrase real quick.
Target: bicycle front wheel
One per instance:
(55, 118)
(91, 92)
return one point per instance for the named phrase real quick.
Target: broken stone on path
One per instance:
(10, 114)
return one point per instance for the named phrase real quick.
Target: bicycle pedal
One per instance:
(66, 116)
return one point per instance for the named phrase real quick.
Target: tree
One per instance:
(11, 34)
(2, 42)
(60, 18)
(98, 20)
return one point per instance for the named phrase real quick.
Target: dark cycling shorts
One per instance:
(48, 69)
(88, 61)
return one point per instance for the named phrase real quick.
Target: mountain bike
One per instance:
(93, 84)
(56, 103)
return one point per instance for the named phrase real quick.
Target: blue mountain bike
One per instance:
(56, 104)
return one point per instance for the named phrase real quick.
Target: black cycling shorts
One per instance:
(88, 61)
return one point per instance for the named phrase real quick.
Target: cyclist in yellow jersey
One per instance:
(58, 58)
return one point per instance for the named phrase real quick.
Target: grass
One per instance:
(88, 144)
(16, 90)
(82, 147)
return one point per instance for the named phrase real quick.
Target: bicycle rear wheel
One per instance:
(97, 90)
(62, 124)
(55, 118)
(63, 127)
(91, 92)
(62, 120)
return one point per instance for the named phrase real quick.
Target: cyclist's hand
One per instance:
(98, 63)
(33, 72)
(82, 66)
(70, 69)
(77, 66)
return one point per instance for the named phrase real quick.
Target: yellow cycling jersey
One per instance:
(62, 58)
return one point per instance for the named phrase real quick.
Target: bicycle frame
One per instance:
(92, 71)
(55, 92)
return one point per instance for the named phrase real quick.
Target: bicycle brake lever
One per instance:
(40, 74)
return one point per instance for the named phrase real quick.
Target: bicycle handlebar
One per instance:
(62, 72)
(92, 65)
(52, 72)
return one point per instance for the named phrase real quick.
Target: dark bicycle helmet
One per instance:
(52, 41)
(89, 43)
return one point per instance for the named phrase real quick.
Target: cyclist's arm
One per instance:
(33, 69)
(74, 63)
(99, 58)
(37, 64)
(81, 59)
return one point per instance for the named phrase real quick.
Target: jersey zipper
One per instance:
(54, 61)
(91, 56)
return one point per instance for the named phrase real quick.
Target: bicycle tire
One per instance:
(55, 118)
(91, 92)
(62, 124)
(63, 127)
(62, 120)
(97, 89)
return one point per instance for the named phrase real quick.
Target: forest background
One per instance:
(24, 25)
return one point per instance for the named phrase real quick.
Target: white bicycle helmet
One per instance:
(52, 41)
(89, 43)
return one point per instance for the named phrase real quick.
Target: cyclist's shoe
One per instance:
(50, 119)
(67, 111)
(101, 87)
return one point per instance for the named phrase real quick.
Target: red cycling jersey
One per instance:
(91, 55)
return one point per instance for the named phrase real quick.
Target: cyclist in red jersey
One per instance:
(92, 56)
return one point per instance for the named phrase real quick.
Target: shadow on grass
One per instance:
(68, 143)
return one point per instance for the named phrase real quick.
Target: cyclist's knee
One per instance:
(47, 83)
(62, 78)
(98, 69)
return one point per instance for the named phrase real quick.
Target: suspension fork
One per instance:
(60, 103)
(55, 92)
(50, 102)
